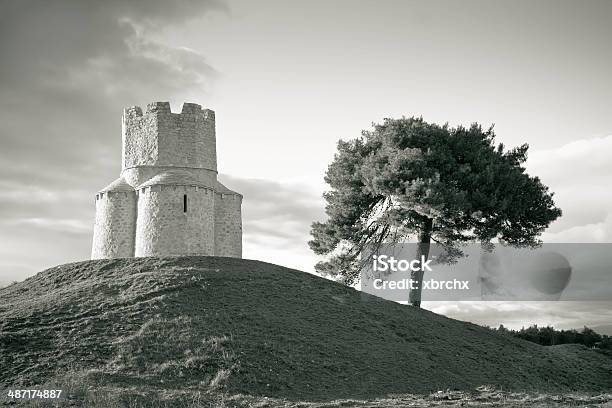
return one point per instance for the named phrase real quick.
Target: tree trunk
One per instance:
(422, 251)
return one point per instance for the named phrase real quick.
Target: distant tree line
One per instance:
(548, 336)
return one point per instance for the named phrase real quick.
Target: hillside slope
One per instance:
(259, 329)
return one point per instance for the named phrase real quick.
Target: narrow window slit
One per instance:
(185, 203)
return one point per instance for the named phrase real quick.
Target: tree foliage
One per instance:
(549, 336)
(407, 178)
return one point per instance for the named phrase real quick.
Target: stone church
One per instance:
(167, 200)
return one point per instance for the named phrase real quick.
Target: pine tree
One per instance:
(408, 178)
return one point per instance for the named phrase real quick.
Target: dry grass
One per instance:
(132, 398)
(197, 331)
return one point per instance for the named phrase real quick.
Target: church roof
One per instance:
(221, 189)
(118, 185)
(173, 177)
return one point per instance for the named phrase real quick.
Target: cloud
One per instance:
(593, 232)
(277, 213)
(276, 220)
(68, 68)
(562, 315)
(69, 225)
(579, 174)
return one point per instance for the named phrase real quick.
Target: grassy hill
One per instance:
(232, 326)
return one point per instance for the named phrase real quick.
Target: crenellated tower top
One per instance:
(160, 138)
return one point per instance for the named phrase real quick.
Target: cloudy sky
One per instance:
(287, 79)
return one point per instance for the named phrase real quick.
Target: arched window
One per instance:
(185, 203)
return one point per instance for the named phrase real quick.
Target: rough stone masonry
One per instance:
(167, 200)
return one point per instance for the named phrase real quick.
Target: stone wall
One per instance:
(228, 225)
(167, 156)
(139, 138)
(141, 174)
(115, 225)
(165, 229)
(162, 138)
